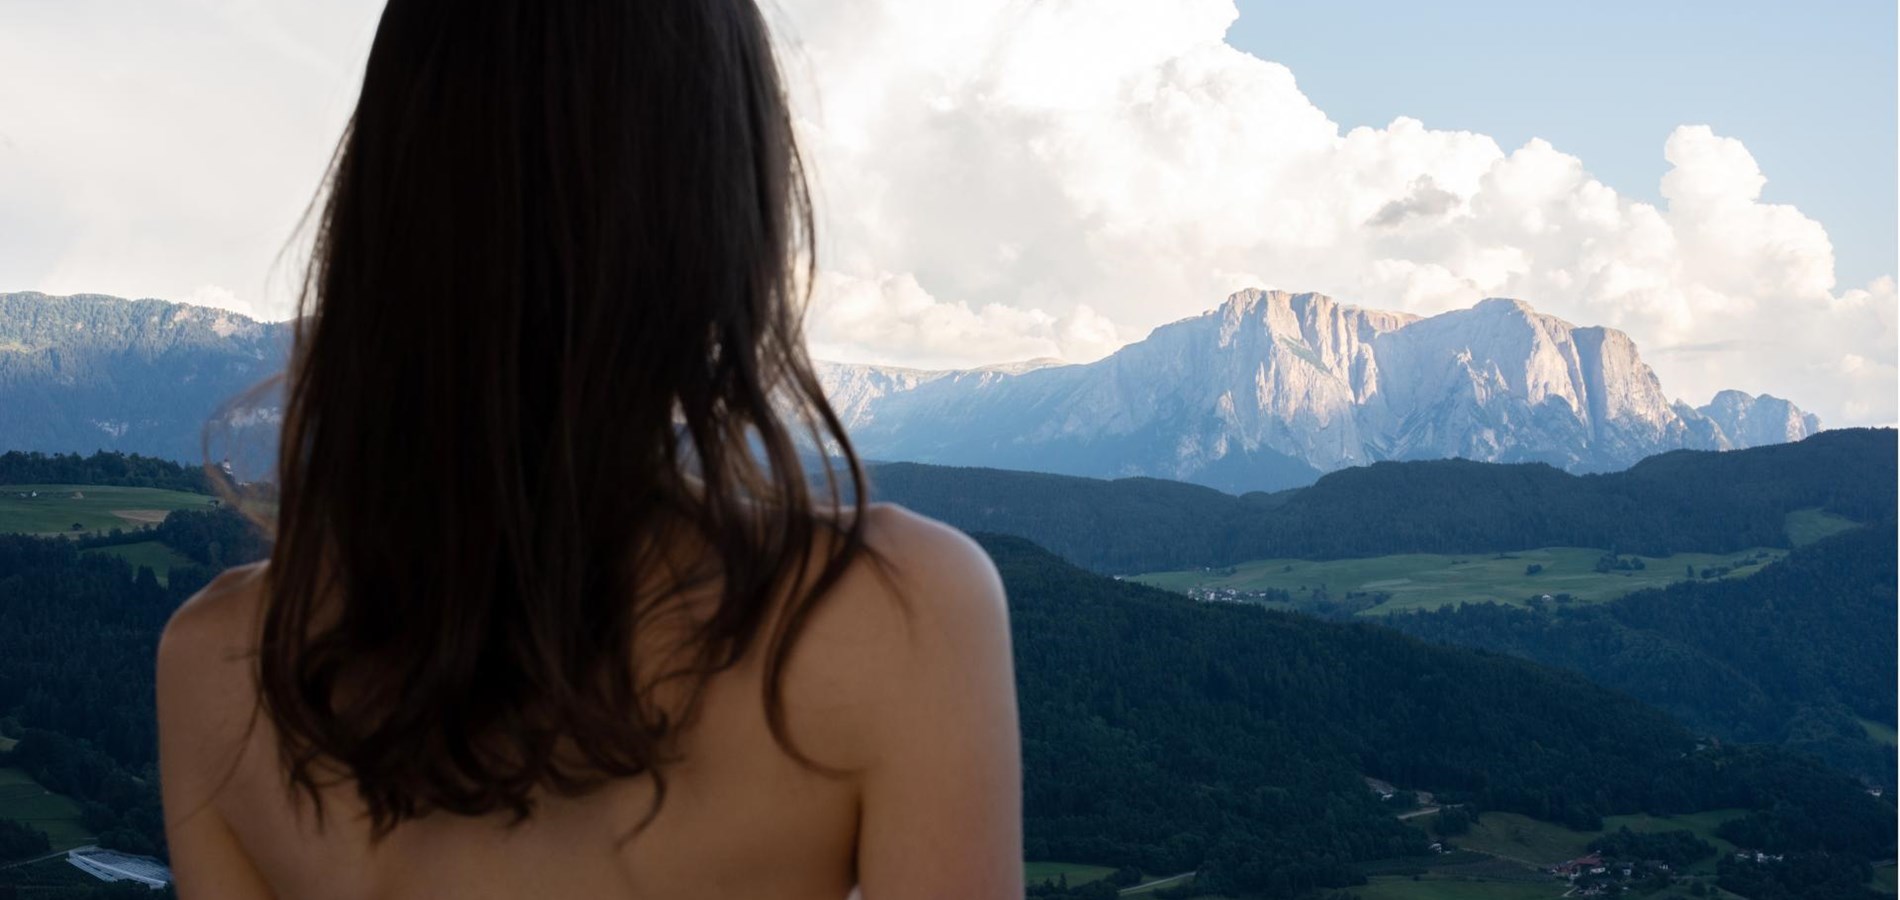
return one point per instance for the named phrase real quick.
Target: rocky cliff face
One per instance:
(1271, 389)
(1745, 421)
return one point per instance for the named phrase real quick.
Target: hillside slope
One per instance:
(1683, 501)
(88, 372)
(1175, 735)
(1798, 654)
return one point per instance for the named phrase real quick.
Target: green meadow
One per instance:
(153, 554)
(1806, 526)
(24, 800)
(1524, 839)
(1877, 732)
(1077, 873)
(1508, 858)
(1451, 887)
(56, 508)
(1429, 581)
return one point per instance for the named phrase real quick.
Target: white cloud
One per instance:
(998, 179)
(148, 149)
(1020, 162)
(892, 319)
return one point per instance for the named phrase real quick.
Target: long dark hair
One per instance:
(550, 335)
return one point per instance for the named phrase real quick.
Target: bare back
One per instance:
(908, 698)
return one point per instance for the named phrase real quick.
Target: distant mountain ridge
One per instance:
(1685, 500)
(91, 372)
(1272, 389)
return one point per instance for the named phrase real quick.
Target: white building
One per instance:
(111, 865)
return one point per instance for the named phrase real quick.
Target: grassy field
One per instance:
(148, 553)
(1884, 878)
(1078, 873)
(1805, 526)
(1516, 850)
(1877, 732)
(1438, 887)
(1702, 824)
(1429, 581)
(1523, 847)
(1524, 839)
(22, 799)
(1512, 836)
(60, 506)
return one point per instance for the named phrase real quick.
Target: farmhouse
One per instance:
(1581, 865)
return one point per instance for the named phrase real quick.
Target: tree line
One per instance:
(1677, 502)
(102, 468)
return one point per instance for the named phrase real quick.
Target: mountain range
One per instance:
(1268, 391)
(91, 372)
(1272, 389)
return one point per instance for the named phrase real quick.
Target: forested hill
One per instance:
(1175, 735)
(86, 372)
(1800, 654)
(1681, 501)
(1157, 732)
(102, 468)
(78, 632)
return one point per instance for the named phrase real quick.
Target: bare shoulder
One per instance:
(221, 617)
(920, 589)
(206, 694)
(909, 628)
(926, 558)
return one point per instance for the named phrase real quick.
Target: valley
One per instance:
(1164, 736)
(1382, 585)
(1505, 855)
(88, 509)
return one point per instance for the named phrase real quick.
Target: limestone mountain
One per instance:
(1272, 389)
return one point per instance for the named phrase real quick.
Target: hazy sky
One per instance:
(1002, 179)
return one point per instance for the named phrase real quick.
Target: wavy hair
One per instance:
(549, 336)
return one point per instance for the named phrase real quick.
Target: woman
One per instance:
(554, 608)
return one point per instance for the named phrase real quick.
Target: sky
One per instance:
(1007, 179)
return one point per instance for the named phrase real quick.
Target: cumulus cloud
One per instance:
(1016, 165)
(891, 319)
(997, 179)
(168, 149)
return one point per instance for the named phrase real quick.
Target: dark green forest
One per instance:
(78, 635)
(1175, 735)
(102, 468)
(1683, 501)
(1167, 735)
(1793, 655)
